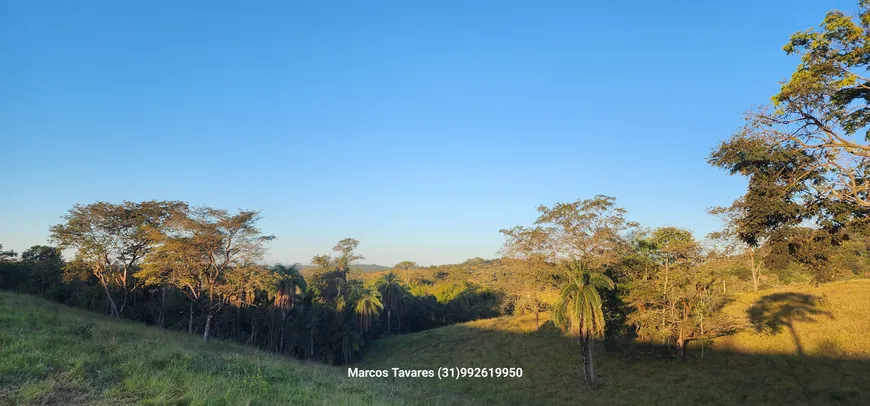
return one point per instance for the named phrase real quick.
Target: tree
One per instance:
(393, 293)
(674, 246)
(782, 196)
(345, 249)
(585, 230)
(110, 242)
(585, 235)
(822, 110)
(6, 256)
(46, 265)
(368, 307)
(406, 265)
(209, 254)
(579, 310)
(289, 284)
(675, 305)
(533, 247)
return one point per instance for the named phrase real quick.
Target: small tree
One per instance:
(406, 265)
(737, 237)
(6, 256)
(579, 310)
(346, 255)
(531, 246)
(673, 304)
(46, 264)
(368, 307)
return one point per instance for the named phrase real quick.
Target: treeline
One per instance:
(196, 270)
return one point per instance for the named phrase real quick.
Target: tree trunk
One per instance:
(586, 352)
(389, 322)
(754, 270)
(162, 316)
(207, 326)
(681, 346)
(281, 338)
(190, 319)
(537, 311)
(112, 307)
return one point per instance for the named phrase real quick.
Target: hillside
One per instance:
(51, 354)
(766, 370)
(54, 355)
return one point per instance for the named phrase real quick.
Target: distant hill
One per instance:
(361, 267)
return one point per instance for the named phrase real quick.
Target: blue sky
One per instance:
(419, 128)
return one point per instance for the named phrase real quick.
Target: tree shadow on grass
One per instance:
(775, 312)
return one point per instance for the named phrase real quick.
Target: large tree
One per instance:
(210, 255)
(110, 241)
(588, 235)
(393, 293)
(289, 285)
(587, 230)
(782, 195)
(823, 109)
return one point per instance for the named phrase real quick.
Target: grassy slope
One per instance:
(845, 332)
(768, 372)
(51, 354)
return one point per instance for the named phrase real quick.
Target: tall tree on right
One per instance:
(822, 109)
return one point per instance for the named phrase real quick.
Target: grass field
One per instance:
(769, 372)
(54, 355)
(50, 354)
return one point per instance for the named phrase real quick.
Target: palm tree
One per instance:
(368, 306)
(288, 285)
(579, 310)
(393, 292)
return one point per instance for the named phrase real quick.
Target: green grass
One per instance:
(553, 372)
(51, 354)
(54, 355)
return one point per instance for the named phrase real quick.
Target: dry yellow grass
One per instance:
(840, 329)
(748, 368)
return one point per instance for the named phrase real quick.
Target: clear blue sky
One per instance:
(419, 128)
